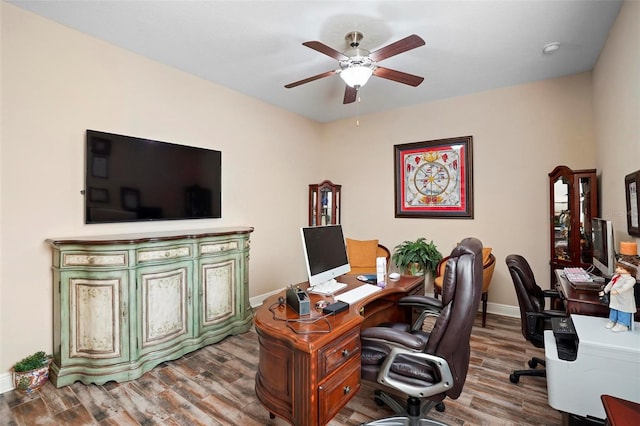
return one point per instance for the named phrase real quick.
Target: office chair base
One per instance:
(411, 415)
(533, 363)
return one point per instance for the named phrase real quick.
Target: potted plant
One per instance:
(31, 372)
(417, 257)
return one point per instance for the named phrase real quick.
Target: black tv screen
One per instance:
(129, 179)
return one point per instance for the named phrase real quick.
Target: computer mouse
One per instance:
(394, 275)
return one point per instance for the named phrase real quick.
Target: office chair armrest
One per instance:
(554, 313)
(535, 322)
(391, 337)
(424, 302)
(437, 363)
(555, 294)
(429, 307)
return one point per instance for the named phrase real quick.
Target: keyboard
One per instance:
(358, 293)
(327, 288)
(577, 275)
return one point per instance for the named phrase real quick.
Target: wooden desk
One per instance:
(583, 302)
(621, 412)
(307, 378)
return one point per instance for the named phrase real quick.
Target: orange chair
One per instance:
(362, 255)
(488, 265)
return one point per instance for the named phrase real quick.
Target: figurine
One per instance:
(622, 305)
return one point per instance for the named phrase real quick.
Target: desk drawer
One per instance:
(338, 390)
(338, 353)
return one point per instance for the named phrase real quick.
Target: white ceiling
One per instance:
(255, 47)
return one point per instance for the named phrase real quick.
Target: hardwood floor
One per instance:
(215, 386)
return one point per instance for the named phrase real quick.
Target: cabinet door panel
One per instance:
(218, 295)
(97, 317)
(164, 308)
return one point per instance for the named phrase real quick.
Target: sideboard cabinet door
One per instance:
(223, 300)
(164, 306)
(96, 328)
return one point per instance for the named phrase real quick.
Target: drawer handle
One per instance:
(167, 253)
(347, 390)
(91, 260)
(345, 353)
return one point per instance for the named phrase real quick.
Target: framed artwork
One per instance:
(434, 179)
(99, 195)
(633, 202)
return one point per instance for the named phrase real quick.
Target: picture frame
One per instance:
(99, 195)
(434, 179)
(631, 183)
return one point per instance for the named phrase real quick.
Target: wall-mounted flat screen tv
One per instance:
(129, 179)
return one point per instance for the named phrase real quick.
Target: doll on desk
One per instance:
(622, 304)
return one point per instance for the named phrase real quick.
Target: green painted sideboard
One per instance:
(125, 303)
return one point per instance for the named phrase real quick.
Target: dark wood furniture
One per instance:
(324, 203)
(583, 302)
(307, 378)
(573, 202)
(620, 412)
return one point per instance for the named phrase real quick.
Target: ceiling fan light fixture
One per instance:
(356, 76)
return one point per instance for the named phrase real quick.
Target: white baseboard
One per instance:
(6, 380)
(504, 310)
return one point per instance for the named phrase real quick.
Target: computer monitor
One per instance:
(604, 257)
(324, 252)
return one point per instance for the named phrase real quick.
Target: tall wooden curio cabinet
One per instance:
(324, 203)
(573, 202)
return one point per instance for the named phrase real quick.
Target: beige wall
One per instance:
(616, 88)
(519, 135)
(56, 82)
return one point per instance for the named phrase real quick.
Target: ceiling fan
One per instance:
(357, 65)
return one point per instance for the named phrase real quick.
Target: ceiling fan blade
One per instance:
(323, 48)
(309, 79)
(407, 43)
(350, 94)
(399, 76)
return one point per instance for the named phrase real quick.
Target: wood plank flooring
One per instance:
(215, 386)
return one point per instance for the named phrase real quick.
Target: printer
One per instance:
(604, 362)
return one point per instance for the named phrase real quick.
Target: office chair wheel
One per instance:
(513, 378)
(533, 363)
(440, 407)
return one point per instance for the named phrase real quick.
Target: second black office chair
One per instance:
(534, 317)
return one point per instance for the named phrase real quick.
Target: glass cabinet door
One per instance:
(573, 202)
(561, 220)
(324, 204)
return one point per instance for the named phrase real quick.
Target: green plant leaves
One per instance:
(420, 251)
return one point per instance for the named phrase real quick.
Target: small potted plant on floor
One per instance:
(417, 257)
(32, 372)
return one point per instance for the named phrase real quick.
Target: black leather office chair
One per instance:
(427, 367)
(534, 318)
